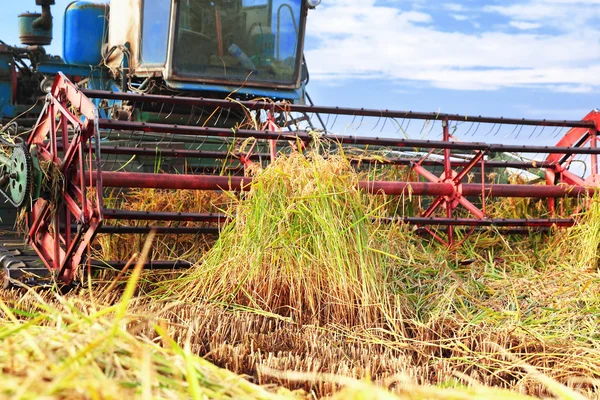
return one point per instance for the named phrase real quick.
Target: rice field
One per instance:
(310, 293)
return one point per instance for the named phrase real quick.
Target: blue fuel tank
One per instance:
(85, 31)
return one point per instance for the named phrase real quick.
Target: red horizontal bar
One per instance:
(527, 191)
(213, 182)
(174, 181)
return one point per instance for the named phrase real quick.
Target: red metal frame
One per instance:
(575, 137)
(51, 234)
(61, 230)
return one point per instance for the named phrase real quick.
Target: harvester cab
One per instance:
(201, 48)
(252, 47)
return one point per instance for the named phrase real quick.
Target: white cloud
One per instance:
(453, 7)
(561, 14)
(367, 40)
(460, 17)
(524, 26)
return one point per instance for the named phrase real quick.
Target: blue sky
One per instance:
(528, 58)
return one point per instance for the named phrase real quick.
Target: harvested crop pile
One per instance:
(303, 244)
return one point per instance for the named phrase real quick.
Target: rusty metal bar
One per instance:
(185, 153)
(286, 107)
(171, 152)
(212, 182)
(174, 181)
(149, 265)
(527, 191)
(162, 230)
(342, 139)
(440, 163)
(202, 131)
(538, 222)
(503, 231)
(113, 214)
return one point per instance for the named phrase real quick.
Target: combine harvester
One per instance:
(207, 88)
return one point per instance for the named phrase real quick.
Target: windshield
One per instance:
(238, 40)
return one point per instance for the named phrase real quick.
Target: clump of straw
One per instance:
(579, 247)
(302, 244)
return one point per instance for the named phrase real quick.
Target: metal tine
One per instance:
(498, 130)
(161, 109)
(491, 130)
(554, 131)
(399, 124)
(541, 131)
(431, 128)
(383, 127)
(191, 114)
(476, 129)
(518, 133)
(227, 117)
(532, 132)
(201, 115)
(327, 122)
(560, 130)
(407, 126)
(196, 136)
(377, 124)
(142, 139)
(470, 127)
(452, 128)
(512, 133)
(130, 140)
(187, 123)
(218, 117)
(165, 134)
(171, 141)
(204, 138)
(352, 122)
(334, 121)
(423, 128)
(171, 112)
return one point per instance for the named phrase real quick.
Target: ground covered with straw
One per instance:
(308, 292)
